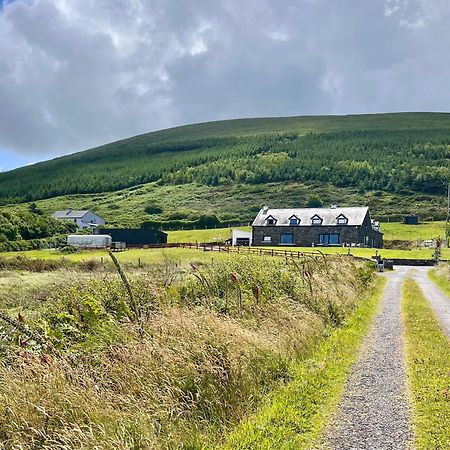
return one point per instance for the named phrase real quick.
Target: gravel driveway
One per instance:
(374, 412)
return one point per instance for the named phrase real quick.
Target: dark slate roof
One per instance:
(355, 215)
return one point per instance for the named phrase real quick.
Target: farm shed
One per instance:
(240, 237)
(82, 218)
(310, 227)
(135, 237)
(411, 220)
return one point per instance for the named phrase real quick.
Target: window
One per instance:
(287, 239)
(342, 220)
(316, 220)
(329, 239)
(267, 239)
(271, 221)
(294, 221)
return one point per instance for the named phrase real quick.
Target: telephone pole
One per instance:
(447, 225)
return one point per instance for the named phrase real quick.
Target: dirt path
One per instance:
(437, 299)
(374, 412)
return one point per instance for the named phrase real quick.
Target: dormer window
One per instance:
(294, 220)
(341, 220)
(316, 220)
(271, 221)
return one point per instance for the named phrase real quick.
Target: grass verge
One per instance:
(428, 366)
(441, 278)
(295, 415)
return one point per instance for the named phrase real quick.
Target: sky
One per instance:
(75, 74)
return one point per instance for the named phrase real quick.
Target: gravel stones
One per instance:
(374, 412)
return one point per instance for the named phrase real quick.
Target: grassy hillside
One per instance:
(395, 163)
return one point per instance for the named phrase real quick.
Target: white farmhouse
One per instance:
(240, 237)
(83, 219)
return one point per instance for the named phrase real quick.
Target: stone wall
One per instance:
(307, 236)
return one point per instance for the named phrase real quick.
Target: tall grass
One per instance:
(217, 338)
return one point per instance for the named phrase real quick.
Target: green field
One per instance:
(202, 236)
(422, 231)
(133, 256)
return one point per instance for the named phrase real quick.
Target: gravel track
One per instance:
(436, 298)
(374, 412)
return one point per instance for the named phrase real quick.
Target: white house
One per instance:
(240, 237)
(83, 219)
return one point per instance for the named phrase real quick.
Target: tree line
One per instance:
(390, 160)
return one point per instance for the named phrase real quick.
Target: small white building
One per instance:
(240, 237)
(82, 218)
(89, 240)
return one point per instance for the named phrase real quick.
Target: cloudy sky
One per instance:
(78, 73)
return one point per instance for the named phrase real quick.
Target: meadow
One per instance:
(174, 354)
(148, 256)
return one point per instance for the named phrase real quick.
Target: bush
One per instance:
(153, 209)
(314, 202)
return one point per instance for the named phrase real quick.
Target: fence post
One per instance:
(139, 262)
(272, 252)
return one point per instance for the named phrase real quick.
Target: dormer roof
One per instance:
(354, 215)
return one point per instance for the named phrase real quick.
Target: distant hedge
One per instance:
(202, 222)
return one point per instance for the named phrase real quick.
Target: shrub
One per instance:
(153, 208)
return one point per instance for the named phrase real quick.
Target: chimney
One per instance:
(333, 206)
(265, 209)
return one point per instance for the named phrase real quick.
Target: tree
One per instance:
(314, 202)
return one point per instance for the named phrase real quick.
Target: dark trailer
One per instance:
(135, 237)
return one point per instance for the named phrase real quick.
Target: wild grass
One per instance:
(428, 366)
(294, 416)
(216, 340)
(441, 277)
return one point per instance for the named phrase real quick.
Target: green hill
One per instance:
(396, 163)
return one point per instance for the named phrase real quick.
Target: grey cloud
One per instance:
(78, 73)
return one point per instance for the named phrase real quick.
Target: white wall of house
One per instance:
(240, 234)
(89, 218)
